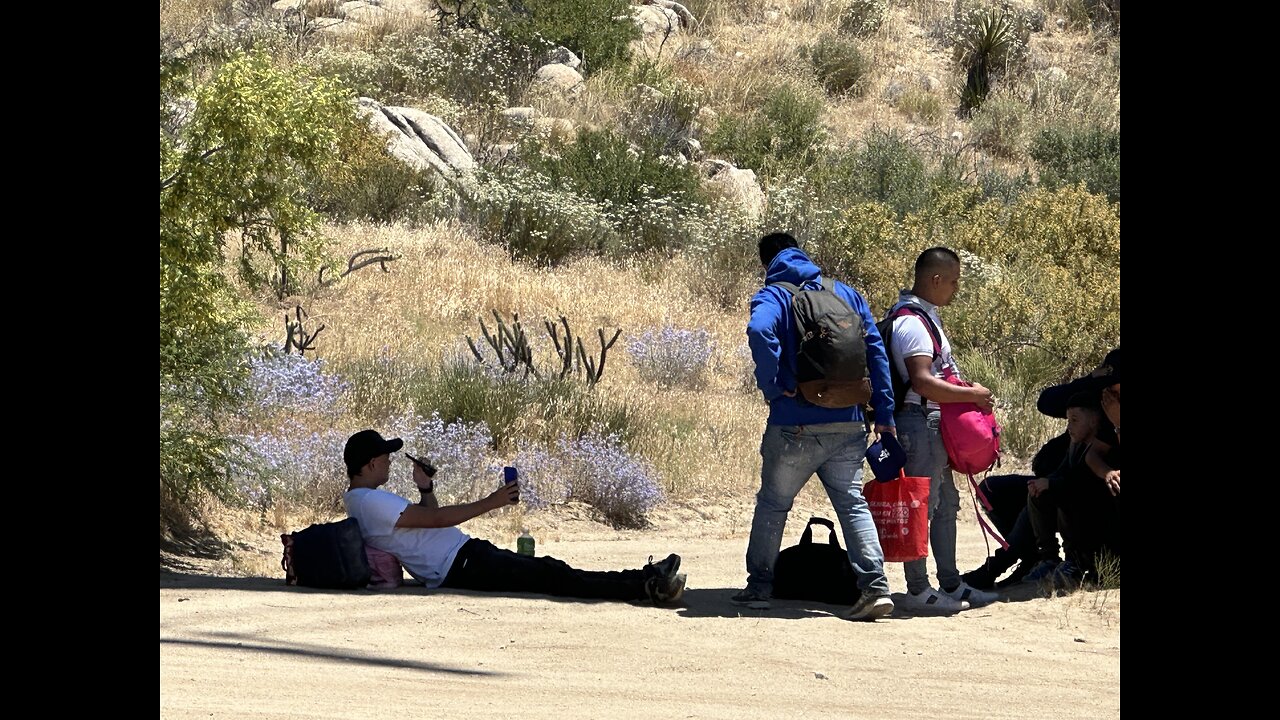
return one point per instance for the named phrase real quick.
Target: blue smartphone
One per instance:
(509, 475)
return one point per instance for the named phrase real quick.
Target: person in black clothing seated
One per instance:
(1008, 493)
(1008, 497)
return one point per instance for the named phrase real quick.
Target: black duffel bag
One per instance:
(816, 571)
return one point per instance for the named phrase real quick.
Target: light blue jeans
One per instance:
(791, 455)
(926, 457)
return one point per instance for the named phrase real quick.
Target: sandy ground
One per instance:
(251, 647)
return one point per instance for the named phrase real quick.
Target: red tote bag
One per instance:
(900, 509)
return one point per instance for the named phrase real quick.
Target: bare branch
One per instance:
(380, 257)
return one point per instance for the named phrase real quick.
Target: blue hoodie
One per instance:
(771, 333)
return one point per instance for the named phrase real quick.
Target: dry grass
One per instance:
(445, 279)
(705, 444)
(600, 104)
(1086, 90)
(180, 18)
(755, 48)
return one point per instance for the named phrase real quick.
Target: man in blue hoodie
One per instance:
(801, 438)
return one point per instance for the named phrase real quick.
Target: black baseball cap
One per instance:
(365, 446)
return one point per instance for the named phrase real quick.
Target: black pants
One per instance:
(1008, 497)
(1089, 519)
(480, 565)
(1084, 511)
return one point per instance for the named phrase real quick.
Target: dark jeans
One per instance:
(1042, 511)
(1008, 497)
(1089, 518)
(480, 565)
(1084, 511)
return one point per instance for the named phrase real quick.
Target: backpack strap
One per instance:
(912, 309)
(795, 289)
(981, 498)
(286, 562)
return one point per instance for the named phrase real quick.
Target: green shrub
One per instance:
(596, 194)
(1000, 126)
(366, 183)
(783, 137)
(536, 219)
(520, 409)
(667, 120)
(1003, 186)
(461, 68)
(921, 105)
(888, 169)
(235, 168)
(605, 166)
(598, 31)
(1041, 274)
(1067, 156)
(841, 67)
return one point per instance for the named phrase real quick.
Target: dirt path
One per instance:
(252, 648)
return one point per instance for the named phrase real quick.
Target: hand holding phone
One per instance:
(427, 467)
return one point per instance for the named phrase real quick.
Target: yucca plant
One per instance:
(985, 42)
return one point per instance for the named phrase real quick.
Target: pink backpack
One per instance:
(386, 572)
(970, 435)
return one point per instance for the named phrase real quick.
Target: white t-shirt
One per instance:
(911, 338)
(427, 553)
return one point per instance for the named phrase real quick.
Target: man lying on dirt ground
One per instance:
(426, 540)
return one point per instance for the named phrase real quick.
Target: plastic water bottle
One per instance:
(524, 543)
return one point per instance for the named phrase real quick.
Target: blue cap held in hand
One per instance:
(886, 457)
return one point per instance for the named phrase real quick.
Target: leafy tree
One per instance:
(232, 159)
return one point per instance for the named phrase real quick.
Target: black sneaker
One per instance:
(662, 591)
(665, 570)
(1016, 576)
(1067, 576)
(982, 578)
(752, 599)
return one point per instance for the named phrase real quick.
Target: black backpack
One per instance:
(885, 326)
(814, 571)
(831, 359)
(329, 555)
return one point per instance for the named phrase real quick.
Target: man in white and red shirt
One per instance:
(920, 354)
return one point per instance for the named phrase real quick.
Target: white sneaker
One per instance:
(972, 595)
(932, 602)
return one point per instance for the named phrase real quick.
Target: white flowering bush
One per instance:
(595, 469)
(861, 18)
(462, 71)
(670, 356)
(462, 452)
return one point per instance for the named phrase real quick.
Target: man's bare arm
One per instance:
(426, 486)
(423, 516)
(920, 370)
